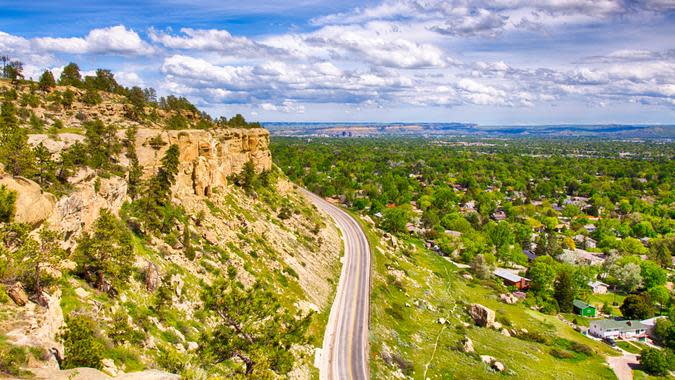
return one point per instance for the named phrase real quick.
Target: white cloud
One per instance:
(215, 40)
(113, 40)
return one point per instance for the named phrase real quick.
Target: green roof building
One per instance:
(583, 309)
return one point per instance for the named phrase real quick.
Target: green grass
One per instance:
(628, 346)
(410, 333)
(598, 300)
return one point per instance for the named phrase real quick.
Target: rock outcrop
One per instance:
(79, 210)
(32, 204)
(18, 294)
(207, 157)
(482, 315)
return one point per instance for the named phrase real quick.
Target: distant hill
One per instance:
(465, 129)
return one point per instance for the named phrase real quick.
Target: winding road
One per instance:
(345, 344)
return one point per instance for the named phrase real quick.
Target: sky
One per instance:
(499, 62)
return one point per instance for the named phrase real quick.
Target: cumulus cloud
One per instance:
(113, 40)
(215, 40)
(481, 22)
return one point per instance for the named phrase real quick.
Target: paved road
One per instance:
(345, 344)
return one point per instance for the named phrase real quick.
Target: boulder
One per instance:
(80, 292)
(493, 363)
(177, 281)
(482, 315)
(18, 294)
(32, 205)
(152, 278)
(467, 345)
(109, 367)
(508, 298)
(506, 332)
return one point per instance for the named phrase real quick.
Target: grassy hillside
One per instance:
(413, 288)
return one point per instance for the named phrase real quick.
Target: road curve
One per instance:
(345, 344)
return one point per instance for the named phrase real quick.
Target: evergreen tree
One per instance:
(102, 143)
(80, 344)
(105, 256)
(15, 152)
(70, 76)
(7, 204)
(254, 327)
(39, 255)
(44, 165)
(47, 81)
(564, 291)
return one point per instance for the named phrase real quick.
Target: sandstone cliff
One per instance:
(207, 158)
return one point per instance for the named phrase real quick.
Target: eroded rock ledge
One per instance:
(207, 157)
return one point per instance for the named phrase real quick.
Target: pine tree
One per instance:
(47, 81)
(106, 255)
(44, 164)
(564, 291)
(15, 152)
(70, 76)
(253, 327)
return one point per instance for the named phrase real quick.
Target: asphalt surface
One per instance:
(345, 345)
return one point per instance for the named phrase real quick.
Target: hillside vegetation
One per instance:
(120, 253)
(445, 213)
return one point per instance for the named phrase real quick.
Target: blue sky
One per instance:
(485, 61)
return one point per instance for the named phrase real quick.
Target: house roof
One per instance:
(508, 275)
(530, 255)
(581, 304)
(593, 284)
(622, 326)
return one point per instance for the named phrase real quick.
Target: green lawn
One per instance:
(629, 346)
(598, 300)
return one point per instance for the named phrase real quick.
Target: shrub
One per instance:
(12, 359)
(561, 354)
(7, 204)
(533, 336)
(654, 361)
(80, 344)
(582, 349)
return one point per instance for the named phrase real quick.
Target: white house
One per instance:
(610, 328)
(598, 287)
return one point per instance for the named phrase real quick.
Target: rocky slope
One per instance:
(268, 234)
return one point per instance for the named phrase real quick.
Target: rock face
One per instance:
(482, 315)
(32, 205)
(80, 209)
(37, 326)
(207, 158)
(152, 279)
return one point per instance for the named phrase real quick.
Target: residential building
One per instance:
(512, 279)
(614, 329)
(583, 309)
(598, 287)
